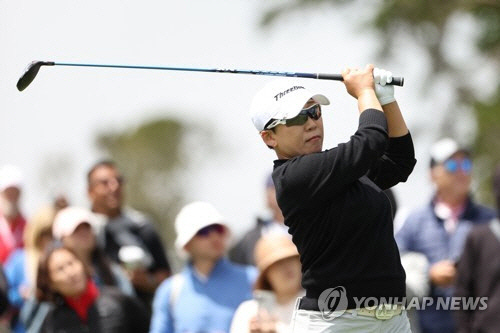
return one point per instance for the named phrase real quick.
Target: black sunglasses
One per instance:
(313, 112)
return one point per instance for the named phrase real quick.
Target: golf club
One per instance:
(33, 68)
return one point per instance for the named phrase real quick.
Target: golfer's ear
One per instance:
(269, 138)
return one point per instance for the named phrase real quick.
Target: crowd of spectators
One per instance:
(104, 268)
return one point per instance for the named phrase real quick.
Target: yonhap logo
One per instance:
(332, 302)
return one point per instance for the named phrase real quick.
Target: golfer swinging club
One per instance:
(333, 200)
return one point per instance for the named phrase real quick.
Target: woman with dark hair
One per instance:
(78, 305)
(73, 227)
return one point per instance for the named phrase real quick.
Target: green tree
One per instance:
(156, 164)
(428, 25)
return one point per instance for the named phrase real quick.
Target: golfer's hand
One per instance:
(359, 82)
(384, 91)
(443, 273)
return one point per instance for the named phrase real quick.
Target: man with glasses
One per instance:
(125, 228)
(205, 295)
(333, 200)
(439, 229)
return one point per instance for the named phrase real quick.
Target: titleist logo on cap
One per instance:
(289, 90)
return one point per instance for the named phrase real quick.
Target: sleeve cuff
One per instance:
(371, 117)
(401, 143)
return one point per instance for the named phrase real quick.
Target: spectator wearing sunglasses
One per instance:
(205, 295)
(333, 201)
(439, 229)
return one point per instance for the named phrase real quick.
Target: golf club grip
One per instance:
(396, 81)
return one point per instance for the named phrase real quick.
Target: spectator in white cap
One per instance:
(73, 227)
(12, 221)
(205, 295)
(439, 229)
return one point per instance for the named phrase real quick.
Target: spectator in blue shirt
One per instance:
(438, 230)
(205, 295)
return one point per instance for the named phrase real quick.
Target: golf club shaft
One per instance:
(33, 68)
(338, 77)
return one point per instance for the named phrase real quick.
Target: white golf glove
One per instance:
(384, 91)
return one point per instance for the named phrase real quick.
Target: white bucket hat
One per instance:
(281, 99)
(192, 218)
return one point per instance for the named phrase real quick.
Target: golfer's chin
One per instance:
(313, 146)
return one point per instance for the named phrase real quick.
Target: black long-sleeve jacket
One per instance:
(338, 215)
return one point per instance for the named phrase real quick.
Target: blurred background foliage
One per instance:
(155, 159)
(426, 24)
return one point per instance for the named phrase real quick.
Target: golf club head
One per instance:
(30, 73)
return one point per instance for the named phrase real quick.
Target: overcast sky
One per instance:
(61, 112)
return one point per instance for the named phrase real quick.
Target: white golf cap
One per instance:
(192, 218)
(444, 149)
(10, 176)
(68, 219)
(281, 99)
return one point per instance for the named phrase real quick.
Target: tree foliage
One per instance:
(155, 164)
